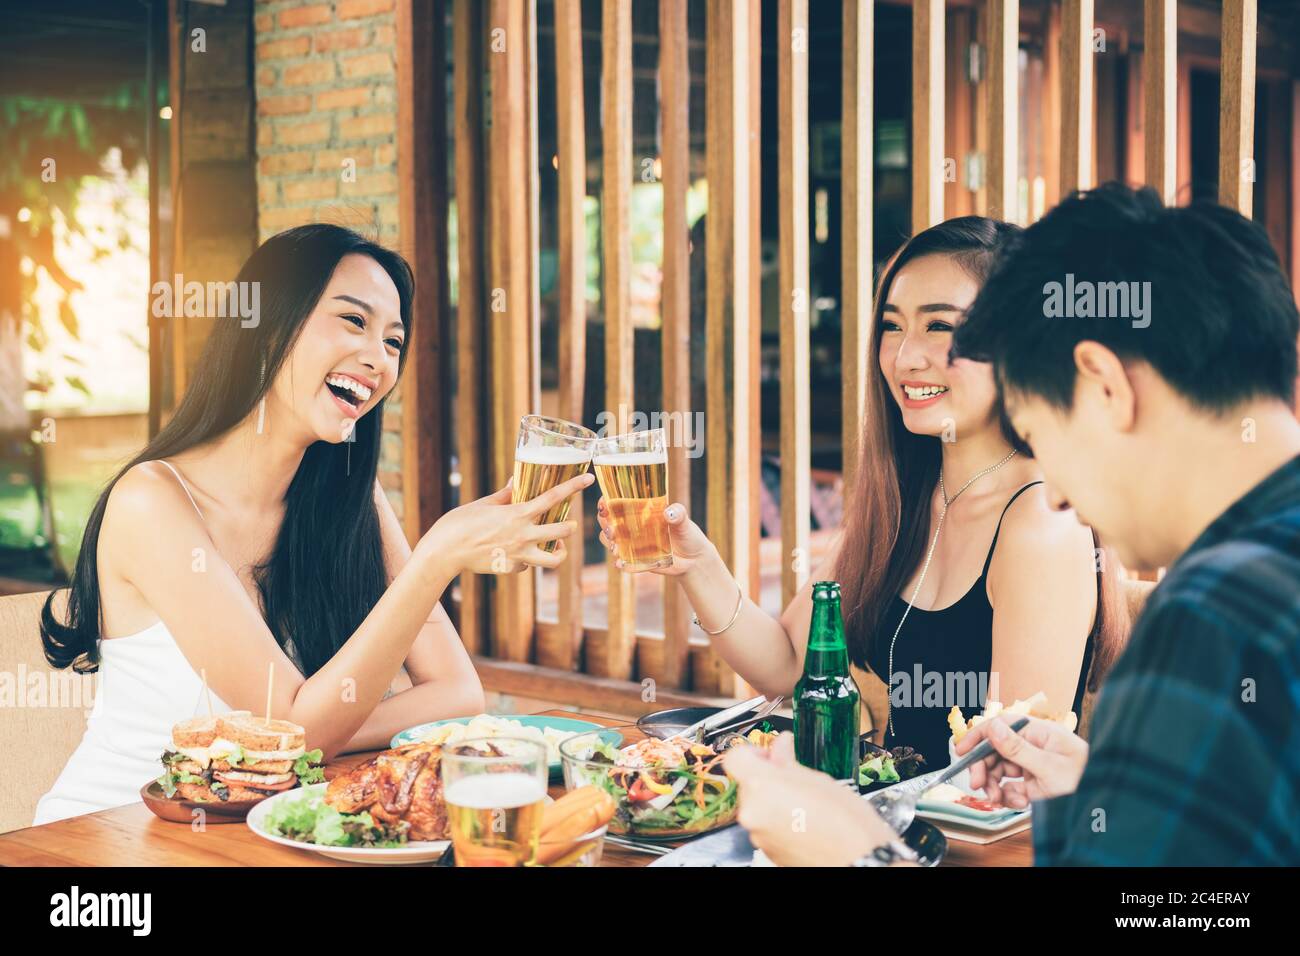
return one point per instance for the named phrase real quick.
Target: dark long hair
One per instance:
(313, 596)
(888, 511)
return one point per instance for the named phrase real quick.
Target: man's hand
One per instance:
(797, 816)
(1048, 757)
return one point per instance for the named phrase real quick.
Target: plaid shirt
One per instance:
(1195, 756)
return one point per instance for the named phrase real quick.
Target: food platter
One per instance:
(261, 822)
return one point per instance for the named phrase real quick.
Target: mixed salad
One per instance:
(664, 787)
(309, 819)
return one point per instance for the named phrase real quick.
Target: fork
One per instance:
(897, 804)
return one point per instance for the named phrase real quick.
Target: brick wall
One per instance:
(326, 91)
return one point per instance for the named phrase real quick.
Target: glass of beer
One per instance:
(495, 791)
(633, 473)
(549, 452)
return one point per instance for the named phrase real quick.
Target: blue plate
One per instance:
(566, 724)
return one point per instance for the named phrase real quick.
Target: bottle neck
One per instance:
(827, 655)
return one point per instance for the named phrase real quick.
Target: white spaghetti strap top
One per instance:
(145, 687)
(186, 489)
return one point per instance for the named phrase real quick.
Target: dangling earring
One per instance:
(261, 404)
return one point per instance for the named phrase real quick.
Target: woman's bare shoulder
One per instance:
(1036, 536)
(146, 504)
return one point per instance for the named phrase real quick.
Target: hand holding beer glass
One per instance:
(495, 790)
(549, 452)
(633, 473)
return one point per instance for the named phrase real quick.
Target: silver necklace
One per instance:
(938, 526)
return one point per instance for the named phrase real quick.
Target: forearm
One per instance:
(433, 700)
(756, 646)
(336, 701)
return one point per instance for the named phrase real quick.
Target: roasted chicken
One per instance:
(397, 785)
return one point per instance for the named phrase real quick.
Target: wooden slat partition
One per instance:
(617, 656)
(510, 297)
(1004, 109)
(1159, 97)
(927, 113)
(1052, 109)
(796, 442)
(422, 198)
(1237, 106)
(674, 100)
(571, 151)
(468, 39)
(729, 288)
(856, 269)
(1076, 96)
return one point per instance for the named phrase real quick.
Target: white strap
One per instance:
(186, 489)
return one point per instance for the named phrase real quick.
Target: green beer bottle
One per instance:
(826, 697)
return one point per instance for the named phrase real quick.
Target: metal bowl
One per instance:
(665, 723)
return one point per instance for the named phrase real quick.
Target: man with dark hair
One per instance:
(1147, 355)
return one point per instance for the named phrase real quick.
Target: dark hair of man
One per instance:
(1222, 323)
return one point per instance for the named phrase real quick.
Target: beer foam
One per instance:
(633, 458)
(552, 455)
(495, 791)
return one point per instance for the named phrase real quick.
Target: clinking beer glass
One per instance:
(549, 452)
(633, 473)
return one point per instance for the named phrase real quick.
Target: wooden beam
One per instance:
(927, 114)
(468, 40)
(571, 151)
(1004, 109)
(674, 93)
(1159, 97)
(607, 694)
(794, 305)
(1052, 98)
(177, 337)
(959, 110)
(1076, 96)
(856, 264)
(510, 296)
(422, 219)
(729, 254)
(1237, 106)
(616, 128)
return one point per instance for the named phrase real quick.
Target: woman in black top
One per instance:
(958, 579)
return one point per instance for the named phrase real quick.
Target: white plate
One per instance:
(417, 851)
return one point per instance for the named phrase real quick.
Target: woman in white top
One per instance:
(251, 534)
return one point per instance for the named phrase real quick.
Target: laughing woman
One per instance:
(250, 535)
(951, 560)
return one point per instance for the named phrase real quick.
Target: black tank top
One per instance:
(946, 657)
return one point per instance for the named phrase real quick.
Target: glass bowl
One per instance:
(652, 803)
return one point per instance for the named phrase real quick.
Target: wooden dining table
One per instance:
(132, 835)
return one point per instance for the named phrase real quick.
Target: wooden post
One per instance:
(1004, 109)
(1237, 106)
(927, 113)
(509, 296)
(616, 81)
(571, 149)
(856, 268)
(468, 41)
(729, 242)
(674, 92)
(1052, 98)
(422, 218)
(1159, 97)
(1076, 96)
(796, 442)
